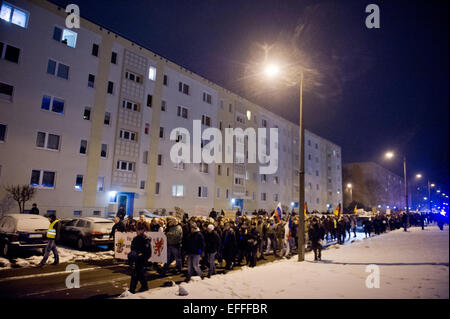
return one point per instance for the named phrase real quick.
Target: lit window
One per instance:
(14, 15)
(249, 115)
(177, 190)
(65, 36)
(79, 182)
(42, 178)
(152, 73)
(100, 183)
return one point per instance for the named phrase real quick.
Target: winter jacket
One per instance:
(316, 233)
(212, 242)
(174, 235)
(141, 250)
(195, 243)
(117, 227)
(229, 242)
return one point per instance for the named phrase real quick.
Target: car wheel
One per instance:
(80, 243)
(5, 249)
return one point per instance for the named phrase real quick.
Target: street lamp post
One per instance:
(301, 202)
(390, 155)
(350, 187)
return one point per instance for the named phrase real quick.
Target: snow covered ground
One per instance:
(411, 265)
(66, 254)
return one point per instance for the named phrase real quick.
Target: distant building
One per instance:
(373, 186)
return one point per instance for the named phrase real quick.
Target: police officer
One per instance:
(52, 233)
(141, 251)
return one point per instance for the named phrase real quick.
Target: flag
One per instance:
(337, 212)
(356, 209)
(305, 211)
(278, 212)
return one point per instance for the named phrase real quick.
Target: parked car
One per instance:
(22, 231)
(87, 232)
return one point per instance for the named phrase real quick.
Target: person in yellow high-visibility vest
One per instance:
(51, 237)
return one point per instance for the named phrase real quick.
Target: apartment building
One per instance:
(86, 117)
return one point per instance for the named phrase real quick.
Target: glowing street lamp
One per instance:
(272, 70)
(389, 155)
(418, 175)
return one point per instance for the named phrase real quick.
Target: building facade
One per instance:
(86, 117)
(373, 186)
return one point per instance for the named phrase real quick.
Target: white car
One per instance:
(22, 231)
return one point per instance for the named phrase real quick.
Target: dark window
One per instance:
(6, 89)
(83, 147)
(95, 49)
(63, 71)
(51, 67)
(161, 132)
(2, 132)
(57, 34)
(107, 119)
(1, 47)
(87, 113)
(91, 80)
(104, 150)
(46, 102)
(12, 54)
(35, 176)
(114, 58)
(110, 87)
(149, 100)
(48, 180)
(58, 106)
(165, 80)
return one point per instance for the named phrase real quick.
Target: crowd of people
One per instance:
(198, 242)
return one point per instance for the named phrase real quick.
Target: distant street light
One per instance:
(272, 70)
(418, 175)
(350, 189)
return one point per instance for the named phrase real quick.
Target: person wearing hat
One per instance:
(34, 210)
(195, 248)
(174, 234)
(212, 245)
(52, 233)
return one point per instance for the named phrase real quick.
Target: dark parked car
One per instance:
(22, 231)
(87, 232)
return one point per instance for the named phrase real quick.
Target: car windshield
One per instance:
(32, 224)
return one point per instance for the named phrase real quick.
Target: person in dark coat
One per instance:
(195, 248)
(141, 251)
(154, 224)
(121, 213)
(34, 210)
(213, 214)
(228, 246)
(130, 224)
(212, 246)
(253, 240)
(316, 234)
(118, 226)
(174, 234)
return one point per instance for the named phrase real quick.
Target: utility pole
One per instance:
(301, 189)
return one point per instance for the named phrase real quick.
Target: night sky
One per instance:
(374, 89)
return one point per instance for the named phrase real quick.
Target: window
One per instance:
(41, 178)
(47, 141)
(249, 115)
(142, 186)
(6, 91)
(238, 181)
(110, 87)
(230, 108)
(182, 112)
(263, 196)
(58, 69)
(79, 182)
(107, 119)
(275, 180)
(131, 106)
(219, 170)
(202, 191)
(161, 132)
(14, 15)
(317, 173)
(264, 123)
(203, 167)
(95, 48)
(83, 147)
(218, 192)
(96, 213)
(163, 105)
(87, 113)
(114, 57)
(125, 166)
(149, 100)
(91, 80)
(263, 178)
(207, 98)
(100, 184)
(165, 80)
(179, 165)
(178, 190)
(128, 135)
(228, 171)
(2, 132)
(145, 157)
(9, 53)
(206, 120)
(275, 197)
(152, 73)
(104, 151)
(65, 36)
(183, 88)
(55, 104)
(227, 194)
(133, 77)
(147, 128)
(159, 159)
(157, 186)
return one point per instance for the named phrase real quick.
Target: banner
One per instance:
(201, 211)
(230, 214)
(122, 245)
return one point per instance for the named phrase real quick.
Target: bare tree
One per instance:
(21, 194)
